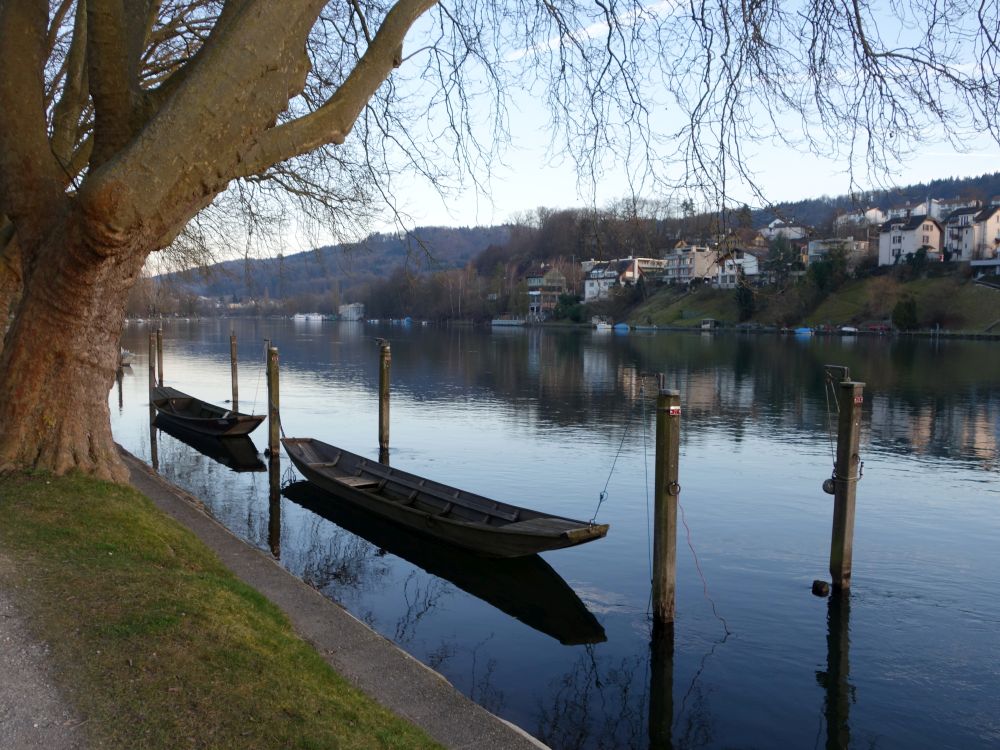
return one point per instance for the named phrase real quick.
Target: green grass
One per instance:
(672, 308)
(157, 644)
(959, 304)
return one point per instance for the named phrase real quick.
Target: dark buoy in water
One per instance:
(821, 588)
(828, 487)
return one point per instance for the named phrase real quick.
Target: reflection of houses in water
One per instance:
(630, 383)
(940, 427)
(921, 429)
(597, 372)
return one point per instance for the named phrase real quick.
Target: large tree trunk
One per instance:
(59, 359)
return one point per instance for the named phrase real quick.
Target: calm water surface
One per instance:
(537, 418)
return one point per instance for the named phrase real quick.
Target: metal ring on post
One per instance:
(673, 489)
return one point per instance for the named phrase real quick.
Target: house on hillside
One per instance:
(689, 263)
(545, 284)
(930, 208)
(901, 237)
(734, 265)
(854, 250)
(789, 230)
(602, 277)
(972, 233)
(868, 217)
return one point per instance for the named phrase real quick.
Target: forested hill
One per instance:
(340, 267)
(819, 211)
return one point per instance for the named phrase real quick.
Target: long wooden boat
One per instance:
(526, 588)
(194, 414)
(487, 527)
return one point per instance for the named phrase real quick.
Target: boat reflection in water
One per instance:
(526, 588)
(238, 453)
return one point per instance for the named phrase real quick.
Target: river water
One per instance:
(548, 419)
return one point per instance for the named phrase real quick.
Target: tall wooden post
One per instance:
(850, 396)
(159, 354)
(383, 398)
(273, 416)
(152, 365)
(668, 438)
(153, 448)
(232, 368)
(274, 505)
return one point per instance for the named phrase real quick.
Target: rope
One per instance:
(701, 574)
(604, 493)
(828, 387)
(260, 371)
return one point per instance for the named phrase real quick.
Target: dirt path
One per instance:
(33, 714)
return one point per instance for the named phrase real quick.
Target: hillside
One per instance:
(338, 268)
(954, 304)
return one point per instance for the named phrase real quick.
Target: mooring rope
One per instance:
(604, 493)
(260, 371)
(828, 387)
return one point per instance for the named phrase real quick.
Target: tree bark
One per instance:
(60, 355)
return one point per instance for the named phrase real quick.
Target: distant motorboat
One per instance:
(621, 328)
(803, 331)
(502, 322)
(311, 317)
(125, 357)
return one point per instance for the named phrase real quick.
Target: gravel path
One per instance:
(33, 714)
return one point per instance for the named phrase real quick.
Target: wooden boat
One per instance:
(526, 588)
(194, 414)
(477, 523)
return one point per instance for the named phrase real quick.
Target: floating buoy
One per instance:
(821, 588)
(828, 486)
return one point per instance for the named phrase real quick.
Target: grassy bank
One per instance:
(954, 304)
(157, 644)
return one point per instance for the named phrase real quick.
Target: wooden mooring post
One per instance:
(850, 398)
(273, 416)
(154, 453)
(667, 489)
(232, 368)
(385, 362)
(274, 505)
(152, 368)
(159, 355)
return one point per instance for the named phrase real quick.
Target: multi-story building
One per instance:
(353, 311)
(854, 250)
(689, 263)
(733, 266)
(972, 233)
(545, 284)
(901, 237)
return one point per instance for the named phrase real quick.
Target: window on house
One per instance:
(926, 240)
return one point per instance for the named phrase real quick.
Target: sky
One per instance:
(532, 177)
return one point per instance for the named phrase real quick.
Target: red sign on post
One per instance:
(859, 399)
(675, 411)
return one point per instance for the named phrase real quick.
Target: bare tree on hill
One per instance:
(121, 122)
